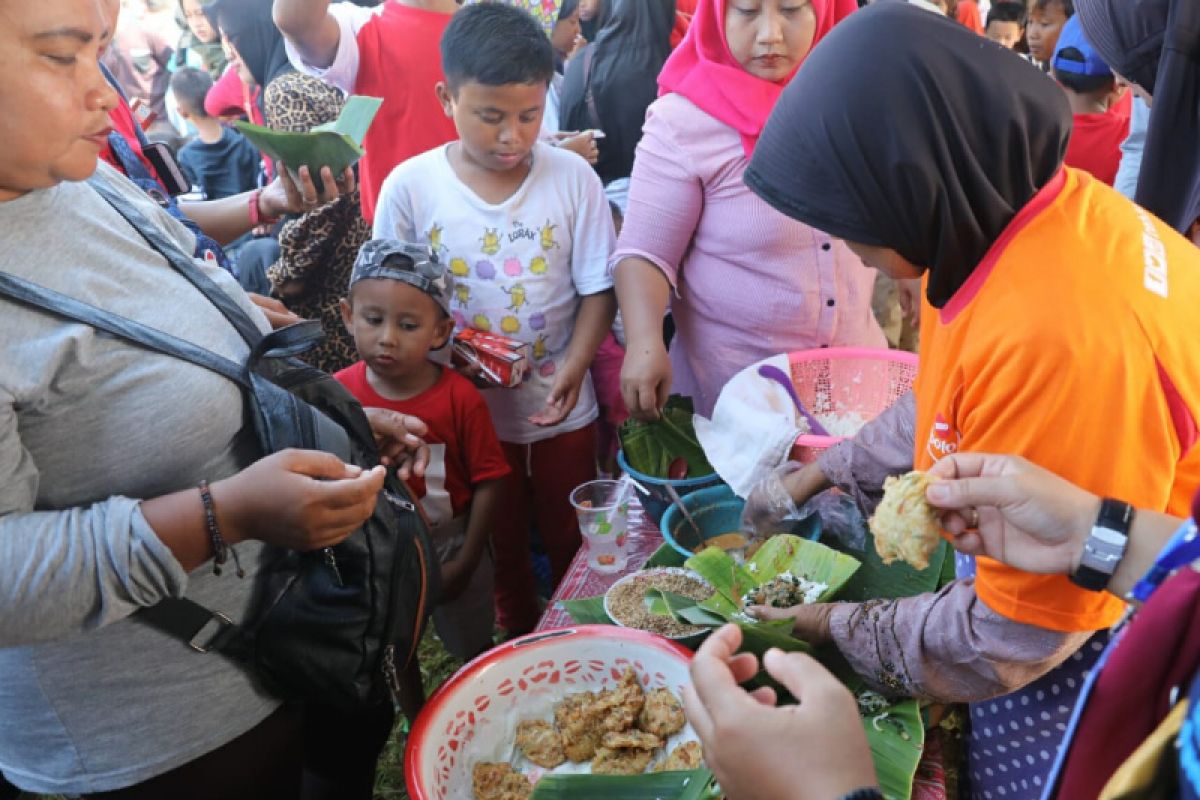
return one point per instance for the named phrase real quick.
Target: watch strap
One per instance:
(1105, 547)
(866, 793)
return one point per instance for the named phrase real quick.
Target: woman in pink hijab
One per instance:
(748, 282)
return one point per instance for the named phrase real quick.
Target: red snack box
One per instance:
(504, 361)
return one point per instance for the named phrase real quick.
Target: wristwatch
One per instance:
(1105, 547)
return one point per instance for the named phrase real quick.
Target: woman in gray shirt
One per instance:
(102, 447)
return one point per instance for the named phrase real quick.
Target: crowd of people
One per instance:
(651, 195)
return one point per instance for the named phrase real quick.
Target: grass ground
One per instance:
(436, 666)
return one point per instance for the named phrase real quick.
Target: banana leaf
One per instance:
(651, 447)
(897, 738)
(665, 556)
(876, 580)
(780, 554)
(695, 785)
(336, 145)
(587, 610)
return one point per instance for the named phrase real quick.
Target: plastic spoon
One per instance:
(779, 376)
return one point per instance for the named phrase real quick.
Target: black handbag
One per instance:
(336, 625)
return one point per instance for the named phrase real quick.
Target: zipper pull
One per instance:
(331, 562)
(399, 501)
(390, 675)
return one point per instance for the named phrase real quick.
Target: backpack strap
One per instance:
(31, 294)
(180, 261)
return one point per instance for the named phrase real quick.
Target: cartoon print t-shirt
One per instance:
(521, 266)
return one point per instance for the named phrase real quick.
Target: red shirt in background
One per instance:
(969, 17)
(464, 445)
(1095, 144)
(400, 60)
(684, 11)
(124, 123)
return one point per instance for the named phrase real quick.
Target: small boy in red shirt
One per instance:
(1101, 124)
(398, 311)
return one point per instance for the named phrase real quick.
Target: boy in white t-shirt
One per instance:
(527, 233)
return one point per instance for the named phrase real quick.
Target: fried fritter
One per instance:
(491, 781)
(540, 743)
(904, 524)
(631, 739)
(623, 761)
(662, 714)
(578, 725)
(687, 756)
(618, 708)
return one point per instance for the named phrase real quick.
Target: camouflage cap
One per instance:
(414, 264)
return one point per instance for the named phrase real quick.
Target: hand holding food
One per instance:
(904, 524)
(299, 499)
(1008, 509)
(814, 750)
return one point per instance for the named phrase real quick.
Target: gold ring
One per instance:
(975, 518)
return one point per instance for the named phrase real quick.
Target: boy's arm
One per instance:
(457, 572)
(311, 29)
(595, 320)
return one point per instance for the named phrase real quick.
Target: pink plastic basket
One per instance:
(845, 381)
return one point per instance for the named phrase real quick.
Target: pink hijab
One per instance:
(703, 70)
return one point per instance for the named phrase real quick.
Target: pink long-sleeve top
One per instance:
(749, 282)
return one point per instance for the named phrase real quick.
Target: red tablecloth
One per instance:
(581, 581)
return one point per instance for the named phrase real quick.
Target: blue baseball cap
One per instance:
(1072, 36)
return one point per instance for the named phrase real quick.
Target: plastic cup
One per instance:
(603, 509)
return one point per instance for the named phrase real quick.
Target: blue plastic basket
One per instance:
(657, 503)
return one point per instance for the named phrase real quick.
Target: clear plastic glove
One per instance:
(770, 504)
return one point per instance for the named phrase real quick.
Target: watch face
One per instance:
(1108, 536)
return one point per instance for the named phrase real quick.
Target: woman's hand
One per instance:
(778, 497)
(283, 196)
(810, 622)
(276, 312)
(401, 441)
(1028, 517)
(646, 379)
(299, 499)
(814, 750)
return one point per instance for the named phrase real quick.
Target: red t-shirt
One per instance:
(400, 60)
(465, 448)
(1095, 144)
(968, 16)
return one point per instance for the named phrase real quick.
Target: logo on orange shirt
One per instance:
(943, 438)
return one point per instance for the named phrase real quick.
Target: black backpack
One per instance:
(336, 625)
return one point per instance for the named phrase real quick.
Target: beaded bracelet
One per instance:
(221, 548)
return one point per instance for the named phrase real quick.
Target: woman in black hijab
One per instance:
(611, 83)
(1059, 327)
(1155, 44)
(933, 164)
(248, 25)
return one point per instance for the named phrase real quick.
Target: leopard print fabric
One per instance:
(317, 249)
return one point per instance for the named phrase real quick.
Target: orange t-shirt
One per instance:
(1075, 345)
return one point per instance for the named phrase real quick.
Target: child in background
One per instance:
(219, 162)
(1006, 23)
(398, 311)
(1046, 20)
(526, 231)
(391, 52)
(1093, 92)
